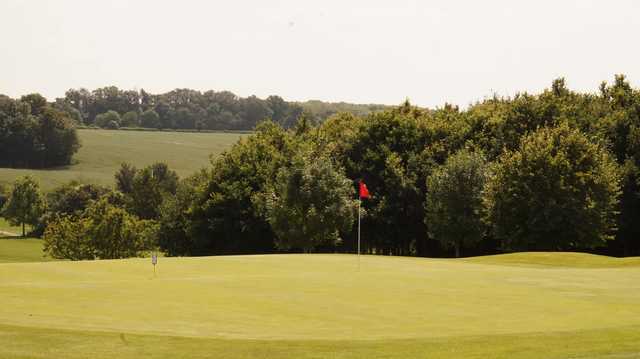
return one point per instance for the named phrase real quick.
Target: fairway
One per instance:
(103, 151)
(316, 306)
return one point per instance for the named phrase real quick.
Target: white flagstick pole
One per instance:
(359, 201)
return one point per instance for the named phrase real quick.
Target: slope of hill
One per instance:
(317, 306)
(102, 152)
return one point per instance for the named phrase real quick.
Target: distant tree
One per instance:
(125, 177)
(227, 215)
(150, 119)
(35, 137)
(454, 208)
(69, 199)
(311, 204)
(25, 204)
(36, 101)
(110, 119)
(150, 186)
(58, 137)
(130, 119)
(174, 232)
(558, 191)
(74, 197)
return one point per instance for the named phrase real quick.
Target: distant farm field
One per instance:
(527, 305)
(103, 151)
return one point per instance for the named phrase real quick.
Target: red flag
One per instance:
(364, 192)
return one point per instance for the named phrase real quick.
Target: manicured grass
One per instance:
(555, 259)
(319, 306)
(102, 152)
(18, 249)
(6, 227)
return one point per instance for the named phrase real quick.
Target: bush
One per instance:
(109, 119)
(103, 231)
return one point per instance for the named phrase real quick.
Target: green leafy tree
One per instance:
(175, 220)
(25, 204)
(125, 177)
(110, 119)
(102, 231)
(227, 214)
(454, 207)
(311, 204)
(150, 119)
(130, 119)
(66, 237)
(558, 191)
(69, 199)
(149, 188)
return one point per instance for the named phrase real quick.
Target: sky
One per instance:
(370, 51)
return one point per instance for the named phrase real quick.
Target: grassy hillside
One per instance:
(102, 152)
(318, 306)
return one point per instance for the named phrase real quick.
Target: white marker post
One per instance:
(154, 261)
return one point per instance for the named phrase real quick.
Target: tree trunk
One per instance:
(23, 232)
(457, 249)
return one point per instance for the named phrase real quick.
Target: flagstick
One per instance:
(359, 201)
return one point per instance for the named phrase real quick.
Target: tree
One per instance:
(35, 137)
(558, 191)
(103, 231)
(69, 199)
(227, 213)
(110, 119)
(150, 119)
(310, 204)
(174, 232)
(130, 119)
(125, 177)
(148, 189)
(25, 204)
(36, 101)
(454, 200)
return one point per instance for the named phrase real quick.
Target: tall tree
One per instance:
(25, 204)
(454, 207)
(558, 191)
(310, 204)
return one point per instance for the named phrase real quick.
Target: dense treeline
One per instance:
(34, 134)
(111, 107)
(552, 171)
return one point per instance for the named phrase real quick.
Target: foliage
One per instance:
(34, 134)
(310, 203)
(130, 119)
(69, 199)
(454, 200)
(150, 119)
(110, 119)
(149, 187)
(190, 109)
(125, 177)
(174, 232)
(226, 213)
(102, 231)
(25, 203)
(558, 191)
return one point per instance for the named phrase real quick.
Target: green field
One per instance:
(103, 151)
(529, 305)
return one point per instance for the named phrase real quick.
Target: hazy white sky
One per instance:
(358, 51)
